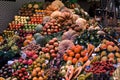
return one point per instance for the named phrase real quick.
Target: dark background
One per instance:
(8, 9)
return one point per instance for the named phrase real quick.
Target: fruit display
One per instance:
(57, 42)
(102, 69)
(28, 9)
(78, 54)
(108, 51)
(6, 71)
(88, 37)
(51, 27)
(51, 47)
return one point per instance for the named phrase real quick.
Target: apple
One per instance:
(35, 56)
(25, 61)
(30, 61)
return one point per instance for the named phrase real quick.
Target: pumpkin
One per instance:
(41, 40)
(36, 35)
(38, 28)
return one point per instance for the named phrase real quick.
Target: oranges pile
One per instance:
(75, 54)
(38, 74)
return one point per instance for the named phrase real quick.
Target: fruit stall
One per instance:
(58, 41)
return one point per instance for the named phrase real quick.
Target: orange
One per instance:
(69, 58)
(68, 51)
(76, 50)
(35, 78)
(74, 60)
(81, 59)
(40, 78)
(71, 54)
(39, 73)
(34, 73)
(85, 58)
(34, 62)
(77, 55)
(83, 53)
(65, 57)
(73, 47)
(38, 69)
(79, 47)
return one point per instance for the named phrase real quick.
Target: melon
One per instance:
(37, 35)
(38, 28)
(41, 40)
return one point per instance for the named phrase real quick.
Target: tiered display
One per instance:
(57, 44)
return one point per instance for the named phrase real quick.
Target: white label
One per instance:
(10, 62)
(23, 55)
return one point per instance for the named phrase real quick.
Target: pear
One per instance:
(111, 55)
(104, 58)
(42, 60)
(103, 53)
(117, 55)
(116, 48)
(112, 59)
(118, 60)
(110, 48)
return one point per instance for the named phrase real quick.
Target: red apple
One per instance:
(20, 75)
(30, 61)
(26, 77)
(20, 60)
(35, 56)
(25, 61)
(23, 69)
(51, 42)
(52, 51)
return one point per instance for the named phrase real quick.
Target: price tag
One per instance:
(93, 54)
(46, 61)
(10, 62)
(23, 55)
